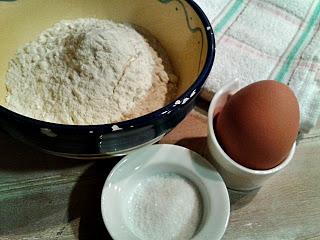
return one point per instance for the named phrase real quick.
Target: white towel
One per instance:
(268, 39)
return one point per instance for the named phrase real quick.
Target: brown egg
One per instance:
(259, 124)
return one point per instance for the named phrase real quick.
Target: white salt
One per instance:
(165, 206)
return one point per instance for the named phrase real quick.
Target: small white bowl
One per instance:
(162, 158)
(236, 176)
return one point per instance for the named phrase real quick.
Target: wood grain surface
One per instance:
(47, 197)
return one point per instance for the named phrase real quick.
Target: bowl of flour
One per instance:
(103, 78)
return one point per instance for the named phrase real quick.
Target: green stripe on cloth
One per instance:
(295, 50)
(231, 12)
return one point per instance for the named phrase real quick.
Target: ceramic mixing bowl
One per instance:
(180, 26)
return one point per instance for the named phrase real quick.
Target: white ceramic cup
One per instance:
(236, 176)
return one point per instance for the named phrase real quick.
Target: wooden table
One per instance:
(47, 197)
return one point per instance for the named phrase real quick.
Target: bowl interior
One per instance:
(174, 23)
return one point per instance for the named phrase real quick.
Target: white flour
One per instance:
(87, 71)
(164, 207)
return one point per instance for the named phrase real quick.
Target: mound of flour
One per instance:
(87, 71)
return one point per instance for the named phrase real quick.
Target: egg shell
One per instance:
(259, 124)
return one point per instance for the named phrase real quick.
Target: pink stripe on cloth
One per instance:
(278, 12)
(228, 40)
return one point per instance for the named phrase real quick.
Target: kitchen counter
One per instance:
(48, 197)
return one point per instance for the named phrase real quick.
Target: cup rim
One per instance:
(234, 85)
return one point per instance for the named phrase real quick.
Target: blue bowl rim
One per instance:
(150, 117)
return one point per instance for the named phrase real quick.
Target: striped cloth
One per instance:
(268, 39)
